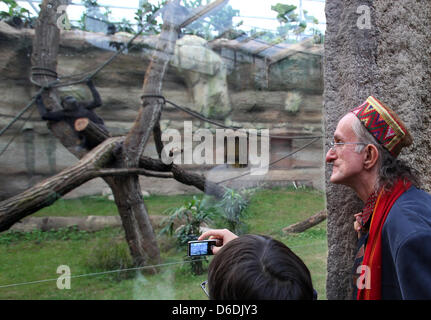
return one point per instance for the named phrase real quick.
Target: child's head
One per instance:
(258, 267)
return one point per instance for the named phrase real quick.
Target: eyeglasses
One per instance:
(204, 287)
(333, 145)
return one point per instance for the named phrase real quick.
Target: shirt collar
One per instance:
(368, 209)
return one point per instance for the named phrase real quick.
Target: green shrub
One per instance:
(192, 214)
(233, 207)
(111, 255)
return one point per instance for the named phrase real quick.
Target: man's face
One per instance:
(346, 163)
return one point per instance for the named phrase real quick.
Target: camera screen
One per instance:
(199, 248)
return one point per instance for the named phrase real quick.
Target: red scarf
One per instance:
(372, 270)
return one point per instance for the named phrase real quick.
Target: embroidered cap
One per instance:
(382, 122)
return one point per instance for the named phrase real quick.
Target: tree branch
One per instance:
(306, 224)
(148, 163)
(44, 55)
(49, 190)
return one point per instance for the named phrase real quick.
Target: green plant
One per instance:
(111, 255)
(90, 3)
(14, 10)
(144, 15)
(125, 26)
(292, 23)
(234, 208)
(15, 14)
(191, 214)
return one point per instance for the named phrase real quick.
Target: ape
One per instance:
(112, 29)
(72, 110)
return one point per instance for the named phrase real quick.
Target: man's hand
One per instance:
(222, 235)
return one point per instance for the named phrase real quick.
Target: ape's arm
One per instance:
(48, 115)
(97, 101)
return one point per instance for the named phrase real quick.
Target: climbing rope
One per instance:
(272, 163)
(222, 125)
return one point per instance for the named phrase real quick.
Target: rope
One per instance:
(13, 138)
(28, 106)
(203, 118)
(129, 269)
(100, 273)
(272, 163)
(44, 69)
(193, 113)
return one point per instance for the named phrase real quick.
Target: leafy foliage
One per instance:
(15, 14)
(110, 255)
(144, 14)
(213, 26)
(234, 208)
(291, 23)
(285, 12)
(192, 214)
(90, 3)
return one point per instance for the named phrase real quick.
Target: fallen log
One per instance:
(89, 223)
(306, 224)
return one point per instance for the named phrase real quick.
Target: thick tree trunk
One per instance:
(45, 52)
(349, 78)
(388, 57)
(127, 190)
(307, 223)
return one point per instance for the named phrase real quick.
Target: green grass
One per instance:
(101, 206)
(26, 257)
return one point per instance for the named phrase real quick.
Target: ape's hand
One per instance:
(89, 82)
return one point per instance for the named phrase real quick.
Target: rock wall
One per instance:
(389, 58)
(200, 78)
